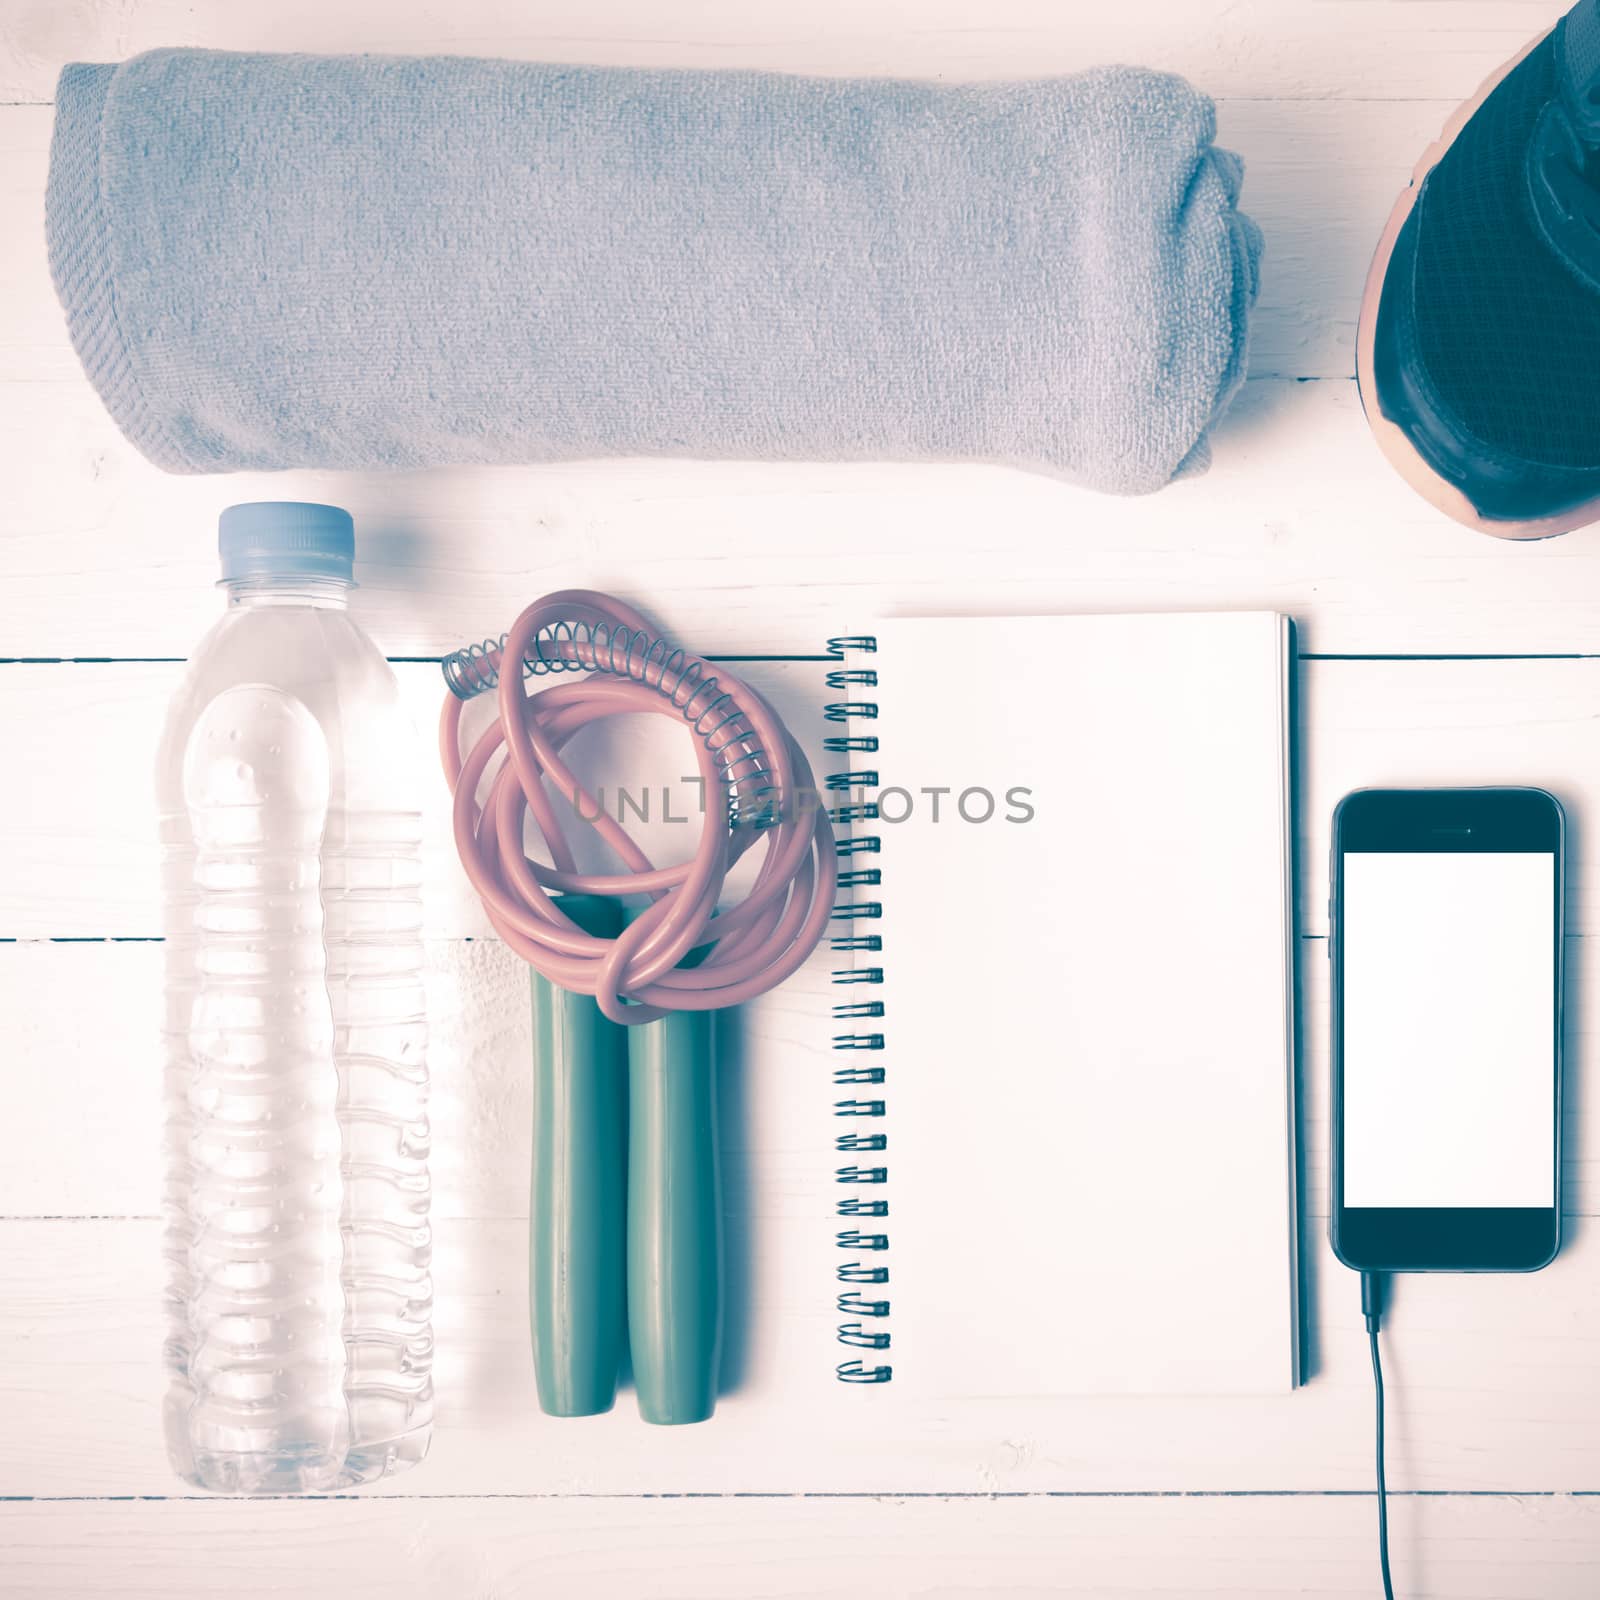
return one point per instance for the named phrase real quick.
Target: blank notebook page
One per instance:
(1087, 1011)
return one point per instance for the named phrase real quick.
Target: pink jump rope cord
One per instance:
(757, 785)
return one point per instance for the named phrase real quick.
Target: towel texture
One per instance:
(302, 261)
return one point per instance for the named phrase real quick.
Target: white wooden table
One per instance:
(1431, 655)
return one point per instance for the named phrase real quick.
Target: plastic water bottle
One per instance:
(299, 1339)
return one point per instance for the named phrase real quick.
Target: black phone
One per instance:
(1445, 932)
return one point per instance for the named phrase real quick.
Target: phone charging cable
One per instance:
(1372, 1286)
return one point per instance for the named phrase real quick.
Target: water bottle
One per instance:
(299, 1299)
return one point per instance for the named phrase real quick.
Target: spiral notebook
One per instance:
(1065, 1146)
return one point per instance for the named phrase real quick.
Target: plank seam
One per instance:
(842, 1494)
(801, 660)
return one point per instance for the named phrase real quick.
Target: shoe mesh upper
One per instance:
(1507, 335)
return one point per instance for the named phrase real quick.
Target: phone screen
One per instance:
(1449, 1019)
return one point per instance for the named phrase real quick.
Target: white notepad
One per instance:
(1088, 1021)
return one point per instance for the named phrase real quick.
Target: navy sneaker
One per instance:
(1478, 346)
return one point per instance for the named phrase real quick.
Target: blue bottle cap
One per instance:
(286, 539)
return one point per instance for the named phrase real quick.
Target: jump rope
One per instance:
(625, 1229)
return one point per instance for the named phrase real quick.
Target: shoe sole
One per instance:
(1392, 439)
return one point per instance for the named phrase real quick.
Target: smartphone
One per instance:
(1445, 932)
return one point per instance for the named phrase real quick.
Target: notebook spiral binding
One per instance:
(847, 813)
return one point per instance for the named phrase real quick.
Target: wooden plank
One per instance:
(381, 1549)
(83, 1102)
(85, 1113)
(482, 1110)
(108, 557)
(78, 823)
(1303, 325)
(80, 826)
(78, 1342)
(1373, 724)
(1362, 49)
(1490, 1389)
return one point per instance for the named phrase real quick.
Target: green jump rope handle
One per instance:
(576, 1245)
(674, 1217)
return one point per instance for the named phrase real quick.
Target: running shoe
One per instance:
(1478, 344)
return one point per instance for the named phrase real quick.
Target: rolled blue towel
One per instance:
(365, 261)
